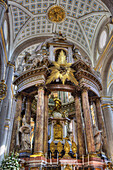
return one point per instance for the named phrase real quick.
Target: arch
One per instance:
(109, 4)
(105, 70)
(26, 44)
(110, 92)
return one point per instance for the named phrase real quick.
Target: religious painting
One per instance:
(58, 132)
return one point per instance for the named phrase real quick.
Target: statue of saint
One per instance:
(25, 130)
(98, 139)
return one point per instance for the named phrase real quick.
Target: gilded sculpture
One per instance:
(62, 70)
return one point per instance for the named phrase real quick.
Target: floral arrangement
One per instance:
(11, 162)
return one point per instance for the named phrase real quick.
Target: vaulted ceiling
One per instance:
(28, 18)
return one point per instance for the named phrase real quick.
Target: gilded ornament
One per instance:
(59, 148)
(67, 149)
(3, 90)
(52, 148)
(58, 132)
(74, 148)
(56, 14)
(62, 70)
(57, 104)
(68, 167)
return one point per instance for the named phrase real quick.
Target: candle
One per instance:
(57, 158)
(50, 159)
(88, 159)
(83, 159)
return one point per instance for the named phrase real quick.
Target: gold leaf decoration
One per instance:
(52, 148)
(59, 148)
(67, 149)
(62, 70)
(74, 148)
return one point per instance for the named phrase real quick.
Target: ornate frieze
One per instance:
(30, 78)
(90, 84)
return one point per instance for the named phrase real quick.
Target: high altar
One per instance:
(58, 120)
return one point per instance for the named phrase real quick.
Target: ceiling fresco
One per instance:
(83, 19)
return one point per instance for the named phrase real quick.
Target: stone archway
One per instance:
(26, 44)
(105, 70)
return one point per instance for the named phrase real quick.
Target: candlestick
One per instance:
(57, 158)
(88, 159)
(83, 159)
(50, 159)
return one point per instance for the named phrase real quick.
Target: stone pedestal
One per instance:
(80, 135)
(88, 123)
(15, 123)
(39, 131)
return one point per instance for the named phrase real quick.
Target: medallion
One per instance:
(56, 14)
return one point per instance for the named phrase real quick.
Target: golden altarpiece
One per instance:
(58, 118)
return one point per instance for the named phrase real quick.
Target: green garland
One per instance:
(11, 162)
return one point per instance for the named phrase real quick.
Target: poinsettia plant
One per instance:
(11, 162)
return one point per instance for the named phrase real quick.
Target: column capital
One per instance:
(84, 88)
(95, 98)
(41, 86)
(11, 64)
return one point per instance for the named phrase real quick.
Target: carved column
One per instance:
(80, 135)
(28, 110)
(15, 123)
(88, 123)
(46, 123)
(100, 121)
(38, 144)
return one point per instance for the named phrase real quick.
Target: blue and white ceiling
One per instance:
(28, 18)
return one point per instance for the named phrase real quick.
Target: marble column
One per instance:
(5, 107)
(80, 135)
(46, 123)
(39, 132)
(108, 117)
(100, 121)
(15, 122)
(28, 110)
(88, 123)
